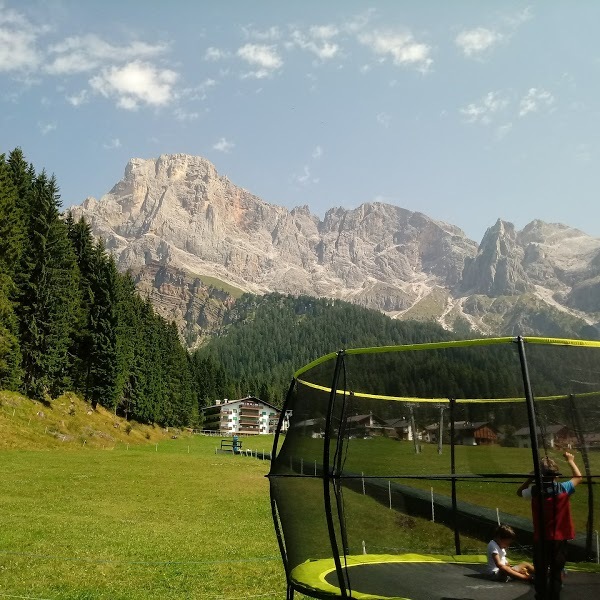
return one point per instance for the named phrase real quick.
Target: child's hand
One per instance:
(568, 456)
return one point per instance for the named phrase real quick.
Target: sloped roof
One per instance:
(468, 425)
(230, 402)
(524, 431)
(397, 422)
(360, 418)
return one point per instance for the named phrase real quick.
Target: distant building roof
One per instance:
(524, 431)
(470, 426)
(361, 418)
(311, 422)
(228, 402)
(397, 422)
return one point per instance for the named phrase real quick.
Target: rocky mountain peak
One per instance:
(497, 269)
(176, 216)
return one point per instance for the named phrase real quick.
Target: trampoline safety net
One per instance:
(408, 457)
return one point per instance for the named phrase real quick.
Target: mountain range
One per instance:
(194, 242)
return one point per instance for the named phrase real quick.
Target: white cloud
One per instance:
(112, 144)
(199, 92)
(305, 178)
(318, 41)
(265, 58)
(359, 22)
(183, 115)
(324, 32)
(534, 100)
(516, 20)
(224, 145)
(18, 37)
(317, 152)
(474, 42)
(80, 54)
(134, 83)
(483, 111)
(46, 128)
(384, 119)
(400, 47)
(215, 54)
(268, 35)
(78, 99)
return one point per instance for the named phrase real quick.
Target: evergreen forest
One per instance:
(272, 336)
(69, 321)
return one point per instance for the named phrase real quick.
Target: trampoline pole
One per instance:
(541, 564)
(453, 472)
(282, 418)
(281, 544)
(329, 473)
(586, 463)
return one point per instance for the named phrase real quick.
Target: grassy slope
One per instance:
(67, 422)
(171, 519)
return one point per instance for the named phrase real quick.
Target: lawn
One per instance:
(169, 521)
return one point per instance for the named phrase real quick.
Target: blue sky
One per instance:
(467, 111)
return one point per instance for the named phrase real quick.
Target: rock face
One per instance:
(193, 240)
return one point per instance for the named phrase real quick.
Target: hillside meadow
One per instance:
(173, 520)
(96, 508)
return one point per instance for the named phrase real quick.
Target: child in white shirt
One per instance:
(498, 567)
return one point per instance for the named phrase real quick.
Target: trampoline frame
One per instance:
(332, 476)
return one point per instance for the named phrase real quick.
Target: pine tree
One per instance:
(48, 295)
(102, 363)
(128, 327)
(83, 244)
(12, 237)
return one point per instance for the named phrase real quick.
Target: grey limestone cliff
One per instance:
(177, 216)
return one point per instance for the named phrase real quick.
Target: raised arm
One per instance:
(577, 478)
(525, 485)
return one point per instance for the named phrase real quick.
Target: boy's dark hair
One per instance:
(549, 468)
(504, 532)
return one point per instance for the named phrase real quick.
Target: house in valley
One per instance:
(480, 433)
(249, 416)
(555, 435)
(368, 425)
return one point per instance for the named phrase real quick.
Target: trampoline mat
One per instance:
(427, 581)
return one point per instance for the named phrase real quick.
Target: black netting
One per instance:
(422, 450)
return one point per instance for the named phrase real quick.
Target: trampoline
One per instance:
(392, 467)
(425, 578)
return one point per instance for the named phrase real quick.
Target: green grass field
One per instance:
(93, 511)
(180, 522)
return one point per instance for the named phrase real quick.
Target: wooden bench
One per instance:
(229, 443)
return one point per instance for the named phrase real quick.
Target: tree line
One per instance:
(70, 321)
(271, 336)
